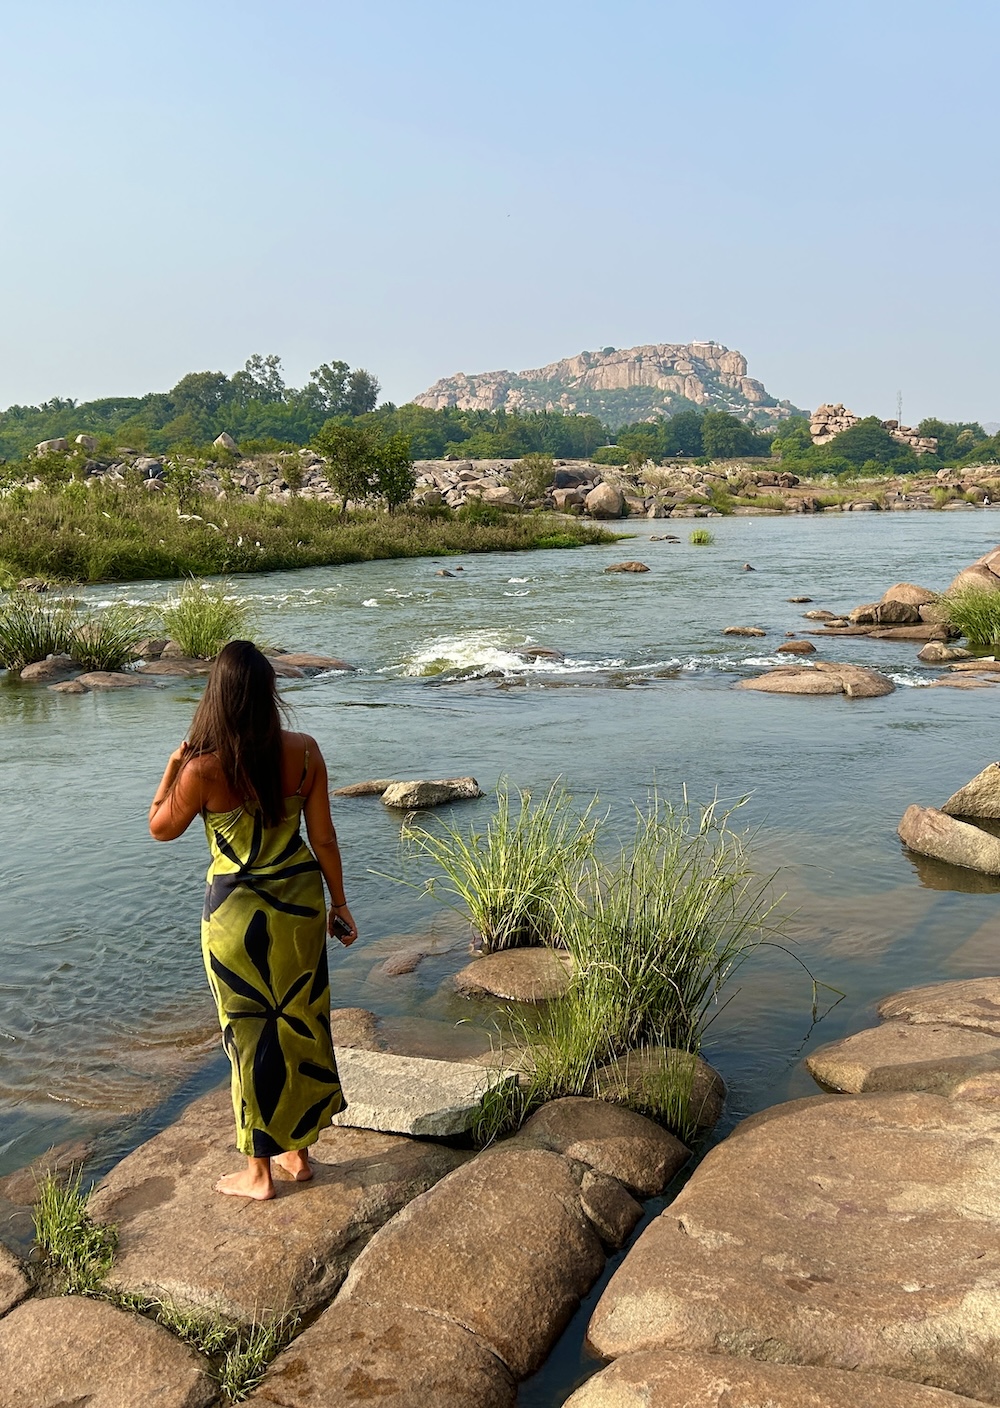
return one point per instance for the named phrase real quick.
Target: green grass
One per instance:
(203, 617)
(31, 628)
(975, 613)
(701, 538)
(79, 1252)
(129, 534)
(511, 878)
(106, 639)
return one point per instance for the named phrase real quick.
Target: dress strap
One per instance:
(305, 769)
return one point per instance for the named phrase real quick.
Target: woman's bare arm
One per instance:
(179, 797)
(323, 839)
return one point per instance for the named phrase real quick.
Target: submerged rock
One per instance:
(822, 678)
(419, 793)
(796, 647)
(933, 833)
(630, 566)
(743, 631)
(517, 975)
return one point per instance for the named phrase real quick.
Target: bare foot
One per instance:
(246, 1185)
(296, 1164)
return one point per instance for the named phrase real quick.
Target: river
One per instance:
(104, 1010)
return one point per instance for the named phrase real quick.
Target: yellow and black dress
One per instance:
(263, 937)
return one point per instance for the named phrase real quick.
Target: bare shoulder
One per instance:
(301, 743)
(205, 767)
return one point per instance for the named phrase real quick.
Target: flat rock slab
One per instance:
(179, 1239)
(850, 1231)
(14, 1285)
(970, 1002)
(930, 832)
(68, 1352)
(410, 1094)
(898, 1056)
(310, 664)
(855, 681)
(108, 679)
(500, 1247)
(373, 787)
(518, 975)
(610, 1138)
(393, 1358)
(637, 1079)
(180, 666)
(658, 1379)
(980, 797)
(630, 566)
(739, 630)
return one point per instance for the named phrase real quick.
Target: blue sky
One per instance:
(422, 188)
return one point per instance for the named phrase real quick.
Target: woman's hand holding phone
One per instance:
(340, 925)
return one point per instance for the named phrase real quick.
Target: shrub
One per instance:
(974, 612)
(531, 476)
(106, 640)
(31, 628)
(610, 454)
(203, 617)
(701, 538)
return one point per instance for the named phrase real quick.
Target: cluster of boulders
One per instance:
(952, 833)
(829, 421)
(155, 659)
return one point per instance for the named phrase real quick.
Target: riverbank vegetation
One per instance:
(974, 612)
(655, 923)
(104, 533)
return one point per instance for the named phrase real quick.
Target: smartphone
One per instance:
(340, 928)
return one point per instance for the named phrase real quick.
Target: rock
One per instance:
(418, 794)
(312, 664)
(605, 501)
(983, 665)
(796, 647)
(858, 682)
(51, 669)
(501, 1247)
(793, 681)
(179, 1240)
(819, 616)
(539, 652)
(69, 1350)
(355, 1027)
(975, 576)
(798, 600)
(898, 1056)
(150, 649)
(154, 484)
(87, 442)
(48, 447)
(69, 687)
(374, 787)
(33, 584)
(972, 1003)
(443, 572)
(743, 631)
(930, 832)
(980, 797)
(935, 614)
(609, 1138)
(747, 568)
(935, 652)
(284, 670)
(927, 631)
(851, 1231)
(630, 566)
(637, 1077)
(224, 441)
(563, 499)
(183, 668)
(410, 1094)
(910, 593)
(393, 1357)
(612, 1212)
(671, 1379)
(500, 494)
(14, 1285)
(864, 615)
(108, 679)
(517, 975)
(149, 468)
(896, 613)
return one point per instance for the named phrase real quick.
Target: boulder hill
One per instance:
(621, 385)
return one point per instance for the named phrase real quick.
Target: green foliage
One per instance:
(31, 628)
(697, 434)
(701, 538)
(610, 454)
(956, 439)
(531, 476)
(106, 639)
(360, 459)
(395, 478)
(723, 437)
(203, 617)
(793, 439)
(511, 878)
(79, 1251)
(975, 613)
(246, 1360)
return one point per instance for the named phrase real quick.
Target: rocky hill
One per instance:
(621, 385)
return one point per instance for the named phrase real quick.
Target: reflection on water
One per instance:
(103, 1003)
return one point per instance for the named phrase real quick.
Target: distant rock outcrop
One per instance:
(827, 422)
(620, 385)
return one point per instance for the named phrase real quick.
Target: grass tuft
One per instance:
(203, 617)
(31, 628)
(106, 639)
(974, 612)
(79, 1251)
(701, 538)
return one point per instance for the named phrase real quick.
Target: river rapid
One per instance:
(106, 1023)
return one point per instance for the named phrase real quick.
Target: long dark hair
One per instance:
(239, 720)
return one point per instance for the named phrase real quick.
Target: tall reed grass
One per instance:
(31, 628)
(701, 538)
(203, 616)
(106, 639)
(974, 612)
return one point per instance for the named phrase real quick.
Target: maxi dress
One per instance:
(264, 943)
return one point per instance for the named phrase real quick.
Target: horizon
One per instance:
(421, 193)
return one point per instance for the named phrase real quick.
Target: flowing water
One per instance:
(106, 1024)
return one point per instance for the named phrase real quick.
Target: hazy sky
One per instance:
(427, 187)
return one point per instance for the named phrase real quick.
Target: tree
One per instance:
(354, 457)
(330, 383)
(201, 392)
(955, 438)
(260, 380)
(793, 439)
(395, 479)
(726, 438)
(681, 434)
(868, 440)
(362, 393)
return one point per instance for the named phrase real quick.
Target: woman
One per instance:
(265, 923)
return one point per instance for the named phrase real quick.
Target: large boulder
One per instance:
(415, 795)
(48, 447)
(67, 1351)
(356, 1356)
(910, 593)
(980, 797)
(52, 668)
(180, 1240)
(630, 566)
(517, 975)
(311, 664)
(611, 1139)
(935, 652)
(638, 1077)
(898, 1056)
(224, 441)
(896, 613)
(412, 1095)
(372, 787)
(605, 501)
(971, 1003)
(930, 832)
(501, 1247)
(978, 576)
(669, 1379)
(853, 1231)
(855, 681)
